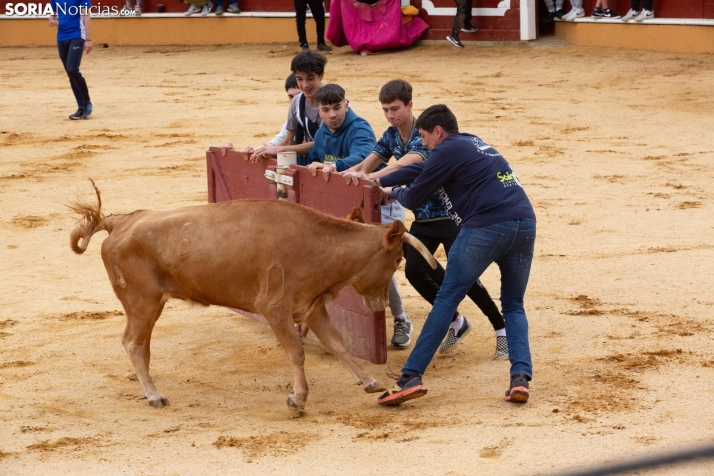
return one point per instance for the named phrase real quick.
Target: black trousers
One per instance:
(318, 13)
(463, 15)
(70, 52)
(648, 5)
(427, 281)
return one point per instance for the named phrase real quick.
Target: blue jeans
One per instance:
(510, 245)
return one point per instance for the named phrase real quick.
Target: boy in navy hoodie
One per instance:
(343, 140)
(484, 197)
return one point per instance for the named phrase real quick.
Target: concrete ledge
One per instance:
(173, 15)
(655, 21)
(660, 36)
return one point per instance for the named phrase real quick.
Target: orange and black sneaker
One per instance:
(408, 387)
(518, 393)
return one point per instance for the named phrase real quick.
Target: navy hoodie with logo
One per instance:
(474, 181)
(347, 147)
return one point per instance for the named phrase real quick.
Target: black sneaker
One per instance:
(304, 46)
(548, 17)
(454, 41)
(559, 14)
(408, 387)
(518, 393)
(77, 115)
(402, 333)
(324, 47)
(469, 28)
(87, 111)
(609, 14)
(597, 13)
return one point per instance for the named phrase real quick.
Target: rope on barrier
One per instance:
(703, 452)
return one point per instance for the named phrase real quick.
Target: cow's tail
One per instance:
(91, 222)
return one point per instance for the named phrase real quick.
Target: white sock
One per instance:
(403, 317)
(456, 325)
(501, 332)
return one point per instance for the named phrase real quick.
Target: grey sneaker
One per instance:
(207, 8)
(402, 333)
(453, 339)
(501, 348)
(137, 10)
(219, 10)
(233, 8)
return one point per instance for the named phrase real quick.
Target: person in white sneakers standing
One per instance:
(647, 12)
(576, 12)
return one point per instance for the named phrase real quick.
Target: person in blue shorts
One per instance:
(498, 225)
(74, 37)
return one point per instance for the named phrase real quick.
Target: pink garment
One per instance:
(374, 27)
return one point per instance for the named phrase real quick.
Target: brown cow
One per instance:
(282, 260)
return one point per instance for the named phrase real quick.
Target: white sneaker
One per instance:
(192, 9)
(207, 8)
(573, 14)
(630, 15)
(137, 10)
(644, 15)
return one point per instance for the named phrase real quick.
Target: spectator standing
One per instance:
(635, 14)
(317, 7)
(74, 37)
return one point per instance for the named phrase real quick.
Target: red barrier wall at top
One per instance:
(232, 177)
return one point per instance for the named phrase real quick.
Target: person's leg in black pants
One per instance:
(467, 15)
(70, 53)
(317, 7)
(300, 12)
(460, 16)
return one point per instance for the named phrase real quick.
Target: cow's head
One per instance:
(372, 283)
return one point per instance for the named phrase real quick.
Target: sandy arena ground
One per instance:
(614, 147)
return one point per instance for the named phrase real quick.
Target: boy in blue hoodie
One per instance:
(344, 140)
(484, 197)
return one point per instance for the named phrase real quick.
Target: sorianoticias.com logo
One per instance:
(39, 10)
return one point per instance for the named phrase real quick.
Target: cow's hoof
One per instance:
(159, 402)
(374, 387)
(293, 405)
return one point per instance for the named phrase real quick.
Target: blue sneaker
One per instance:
(77, 115)
(87, 111)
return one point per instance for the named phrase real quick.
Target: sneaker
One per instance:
(305, 47)
(630, 15)
(548, 17)
(454, 41)
(324, 47)
(501, 348)
(454, 338)
(469, 28)
(559, 14)
(233, 8)
(402, 333)
(597, 13)
(87, 111)
(406, 388)
(137, 10)
(518, 393)
(644, 15)
(77, 115)
(219, 10)
(609, 14)
(207, 8)
(573, 14)
(125, 10)
(192, 9)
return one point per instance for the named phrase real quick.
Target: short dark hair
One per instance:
(396, 89)
(330, 94)
(438, 115)
(308, 62)
(291, 82)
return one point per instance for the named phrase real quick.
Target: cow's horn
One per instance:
(419, 246)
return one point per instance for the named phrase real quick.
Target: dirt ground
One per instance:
(614, 147)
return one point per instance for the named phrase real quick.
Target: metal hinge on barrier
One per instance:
(284, 179)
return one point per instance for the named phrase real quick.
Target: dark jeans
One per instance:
(70, 52)
(427, 281)
(318, 13)
(510, 245)
(463, 15)
(635, 5)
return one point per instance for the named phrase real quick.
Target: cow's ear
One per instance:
(393, 236)
(356, 215)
